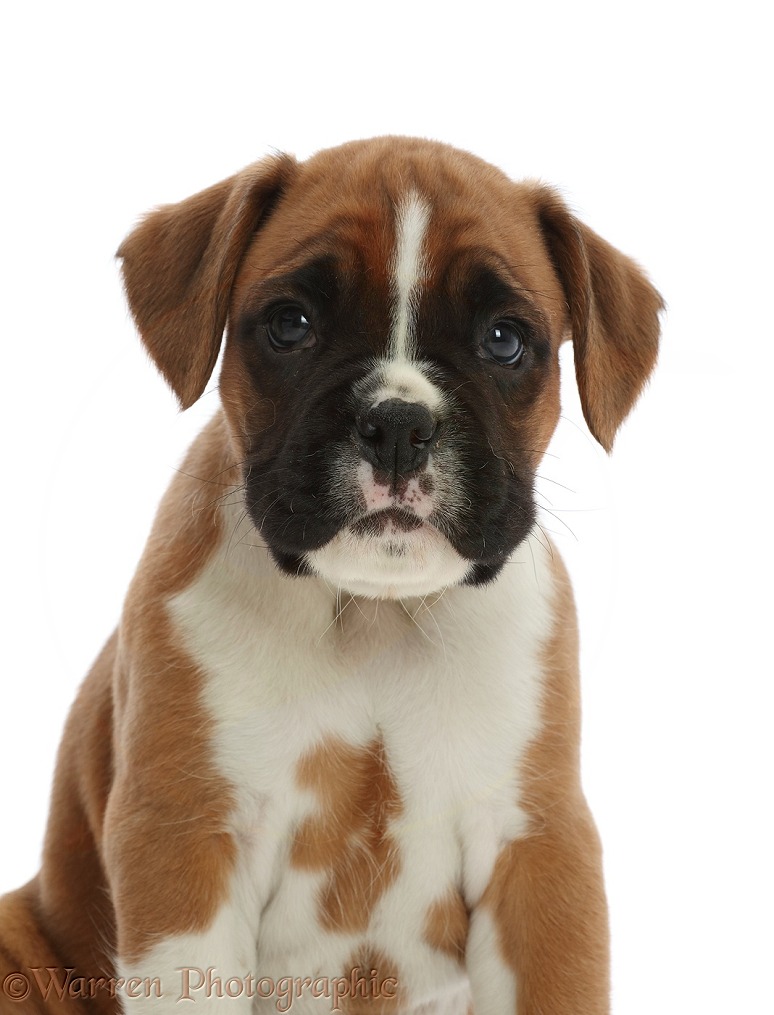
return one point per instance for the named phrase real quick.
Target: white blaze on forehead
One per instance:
(413, 215)
(399, 379)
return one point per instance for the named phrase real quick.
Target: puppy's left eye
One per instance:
(288, 328)
(504, 343)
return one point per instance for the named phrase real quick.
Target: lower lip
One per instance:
(387, 523)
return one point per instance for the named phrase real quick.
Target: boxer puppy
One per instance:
(330, 759)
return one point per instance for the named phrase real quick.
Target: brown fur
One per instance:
(614, 317)
(349, 837)
(179, 267)
(135, 764)
(446, 926)
(386, 998)
(163, 777)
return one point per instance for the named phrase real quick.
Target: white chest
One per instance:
(375, 757)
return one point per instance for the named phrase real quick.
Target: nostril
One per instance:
(420, 435)
(365, 427)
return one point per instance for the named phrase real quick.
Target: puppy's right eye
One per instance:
(289, 329)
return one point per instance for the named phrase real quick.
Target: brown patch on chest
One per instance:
(446, 926)
(373, 984)
(349, 836)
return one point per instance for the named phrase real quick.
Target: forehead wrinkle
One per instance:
(286, 283)
(339, 260)
(296, 234)
(465, 264)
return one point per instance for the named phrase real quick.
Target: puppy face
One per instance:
(394, 378)
(395, 310)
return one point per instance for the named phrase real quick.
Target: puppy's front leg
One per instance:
(184, 929)
(170, 845)
(538, 941)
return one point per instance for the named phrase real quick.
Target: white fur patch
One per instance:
(407, 381)
(493, 984)
(419, 562)
(412, 215)
(400, 374)
(452, 688)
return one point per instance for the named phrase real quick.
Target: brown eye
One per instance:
(503, 343)
(288, 328)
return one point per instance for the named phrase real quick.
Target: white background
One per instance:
(655, 121)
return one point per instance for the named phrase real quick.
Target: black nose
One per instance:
(396, 436)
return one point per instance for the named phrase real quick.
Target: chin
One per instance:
(392, 564)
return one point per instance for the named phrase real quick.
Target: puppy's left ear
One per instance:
(613, 315)
(179, 266)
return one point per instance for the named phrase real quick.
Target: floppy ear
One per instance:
(613, 314)
(179, 266)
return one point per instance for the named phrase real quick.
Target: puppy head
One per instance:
(394, 310)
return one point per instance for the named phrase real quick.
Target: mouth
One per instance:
(387, 522)
(383, 537)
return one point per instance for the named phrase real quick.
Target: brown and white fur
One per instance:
(338, 725)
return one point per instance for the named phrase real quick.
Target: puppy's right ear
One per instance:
(179, 267)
